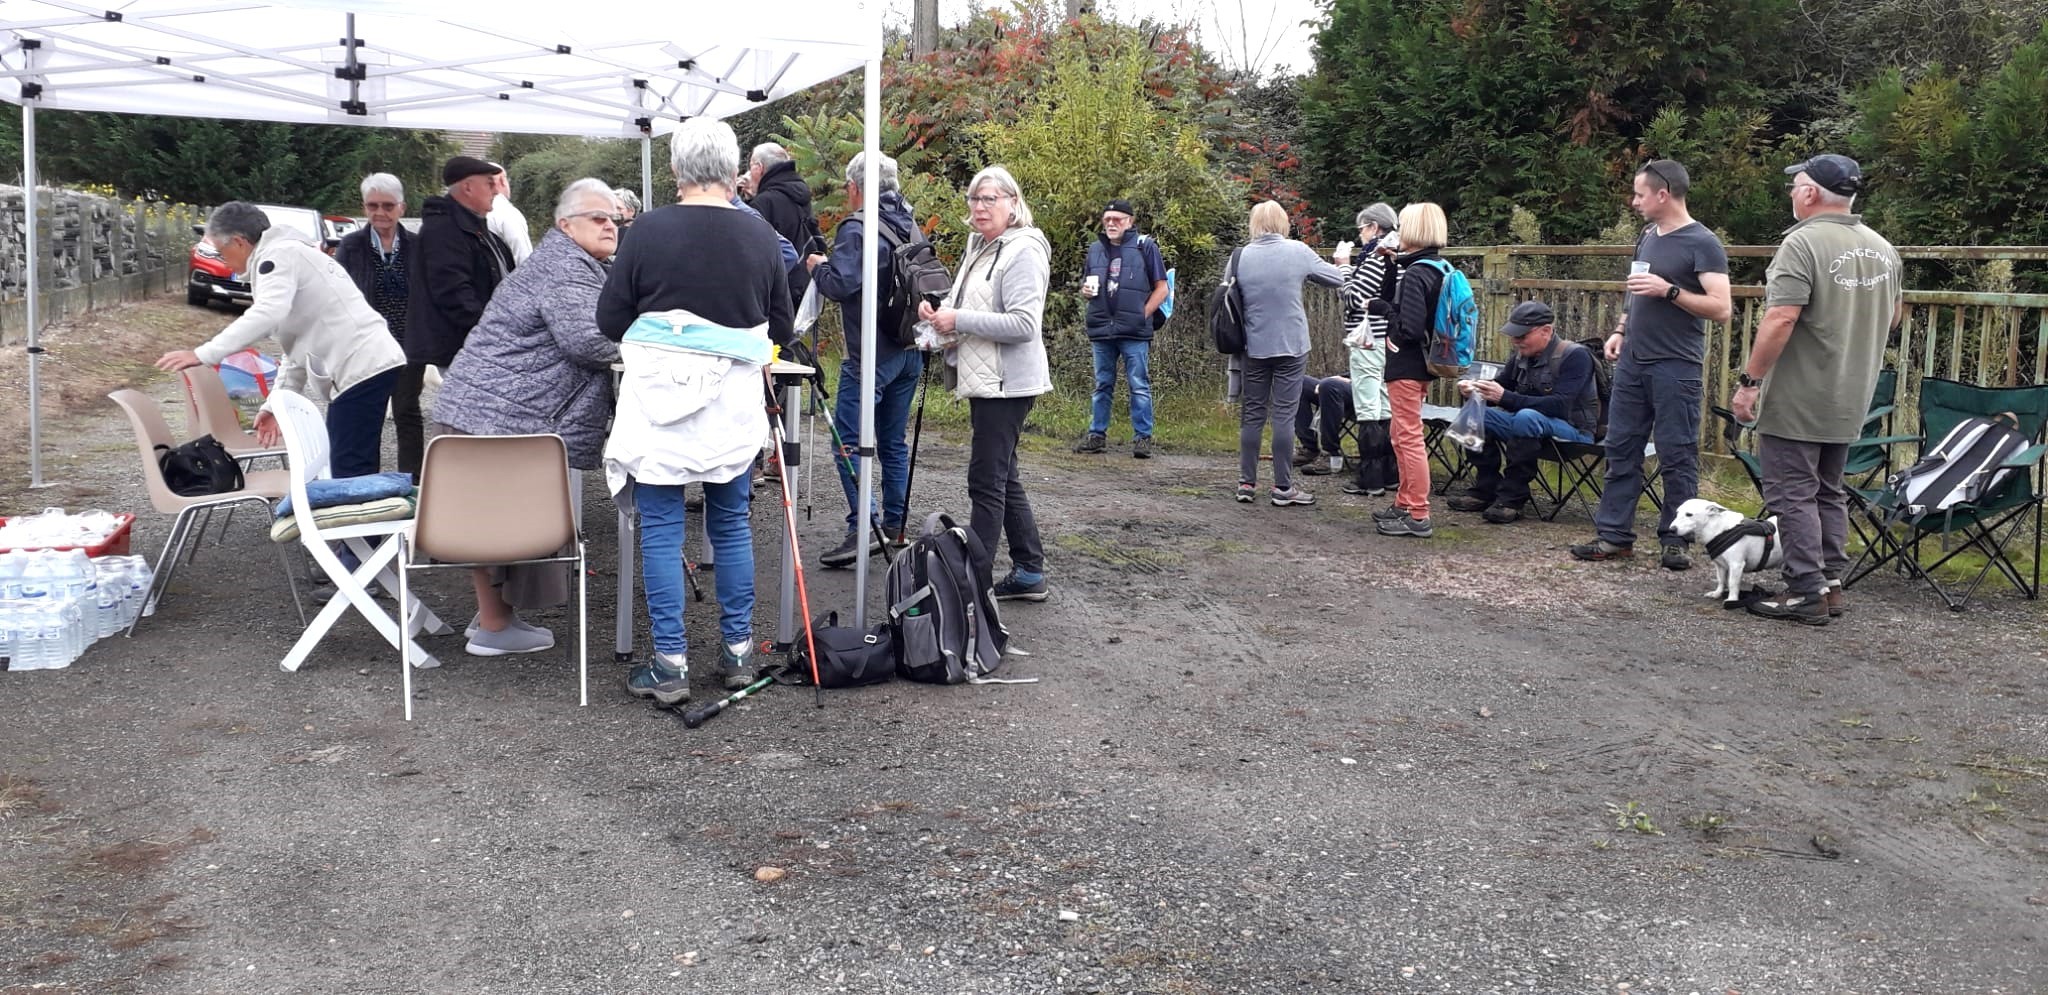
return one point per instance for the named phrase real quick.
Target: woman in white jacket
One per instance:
(992, 327)
(306, 301)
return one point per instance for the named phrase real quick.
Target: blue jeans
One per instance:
(661, 559)
(895, 386)
(1529, 423)
(1661, 401)
(1137, 357)
(1510, 459)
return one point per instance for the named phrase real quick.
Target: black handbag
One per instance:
(847, 657)
(200, 467)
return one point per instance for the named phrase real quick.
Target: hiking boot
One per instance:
(513, 638)
(668, 686)
(1246, 493)
(694, 500)
(848, 551)
(1093, 442)
(1389, 513)
(1303, 456)
(897, 536)
(1354, 488)
(1292, 495)
(1141, 447)
(1807, 609)
(1750, 597)
(1833, 597)
(1469, 502)
(1012, 589)
(736, 669)
(1418, 528)
(1600, 550)
(1503, 514)
(1675, 557)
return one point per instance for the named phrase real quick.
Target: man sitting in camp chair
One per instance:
(1546, 391)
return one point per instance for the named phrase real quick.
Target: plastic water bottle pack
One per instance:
(55, 603)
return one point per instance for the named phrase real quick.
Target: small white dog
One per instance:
(1738, 545)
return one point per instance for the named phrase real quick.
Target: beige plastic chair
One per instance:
(372, 543)
(469, 517)
(210, 411)
(259, 487)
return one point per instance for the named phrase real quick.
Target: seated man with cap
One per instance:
(1546, 391)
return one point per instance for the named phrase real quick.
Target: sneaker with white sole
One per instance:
(668, 685)
(1418, 528)
(509, 640)
(1292, 495)
(1012, 589)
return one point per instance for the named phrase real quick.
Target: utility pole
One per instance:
(924, 28)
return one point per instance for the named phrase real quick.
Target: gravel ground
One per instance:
(1269, 752)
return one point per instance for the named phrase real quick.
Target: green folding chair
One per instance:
(1870, 457)
(1989, 525)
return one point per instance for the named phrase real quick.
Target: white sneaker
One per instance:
(511, 639)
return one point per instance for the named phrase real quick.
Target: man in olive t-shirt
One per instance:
(1833, 293)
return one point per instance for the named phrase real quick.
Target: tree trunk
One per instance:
(924, 27)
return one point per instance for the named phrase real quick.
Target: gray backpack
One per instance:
(942, 603)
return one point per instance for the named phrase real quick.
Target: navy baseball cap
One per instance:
(1834, 173)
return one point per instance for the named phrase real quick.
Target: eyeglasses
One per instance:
(380, 205)
(617, 220)
(988, 199)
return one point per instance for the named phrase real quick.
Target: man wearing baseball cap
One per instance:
(1832, 294)
(1124, 281)
(457, 265)
(1546, 391)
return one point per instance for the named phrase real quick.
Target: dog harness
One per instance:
(1743, 530)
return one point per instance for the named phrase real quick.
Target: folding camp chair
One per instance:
(1870, 457)
(1897, 530)
(468, 518)
(372, 543)
(259, 487)
(1436, 420)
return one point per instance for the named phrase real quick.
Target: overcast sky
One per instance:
(1265, 33)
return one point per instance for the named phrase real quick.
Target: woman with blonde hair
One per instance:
(1270, 271)
(992, 330)
(1423, 233)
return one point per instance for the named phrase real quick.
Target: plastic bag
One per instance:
(248, 374)
(807, 312)
(1468, 429)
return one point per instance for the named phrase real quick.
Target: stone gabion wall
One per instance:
(93, 250)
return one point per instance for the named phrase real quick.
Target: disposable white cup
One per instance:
(1091, 285)
(1638, 268)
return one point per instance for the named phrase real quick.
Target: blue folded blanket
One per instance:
(350, 490)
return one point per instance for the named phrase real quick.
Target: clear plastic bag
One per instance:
(1468, 429)
(807, 312)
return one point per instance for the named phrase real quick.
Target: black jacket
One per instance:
(359, 258)
(455, 268)
(1414, 309)
(785, 200)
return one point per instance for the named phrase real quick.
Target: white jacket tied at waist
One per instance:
(692, 408)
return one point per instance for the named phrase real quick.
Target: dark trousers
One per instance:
(1506, 466)
(1272, 391)
(1325, 409)
(1661, 401)
(407, 420)
(993, 489)
(1803, 487)
(1377, 468)
(355, 426)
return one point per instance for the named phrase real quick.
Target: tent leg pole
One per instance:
(871, 168)
(647, 172)
(32, 303)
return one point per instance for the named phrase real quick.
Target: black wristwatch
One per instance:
(1745, 380)
(1672, 294)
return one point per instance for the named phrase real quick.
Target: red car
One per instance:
(211, 280)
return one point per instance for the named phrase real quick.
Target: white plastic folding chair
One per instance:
(468, 518)
(305, 441)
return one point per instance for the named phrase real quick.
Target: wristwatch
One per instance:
(1672, 294)
(1745, 380)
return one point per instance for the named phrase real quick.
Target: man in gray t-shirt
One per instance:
(1678, 282)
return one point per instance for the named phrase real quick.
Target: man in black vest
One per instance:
(450, 278)
(1546, 391)
(1125, 282)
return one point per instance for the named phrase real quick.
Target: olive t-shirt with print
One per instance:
(1848, 282)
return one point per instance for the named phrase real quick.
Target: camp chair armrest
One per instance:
(1879, 412)
(2025, 458)
(1881, 440)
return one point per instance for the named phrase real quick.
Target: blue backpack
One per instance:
(1456, 328)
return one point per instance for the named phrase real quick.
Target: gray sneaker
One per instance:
(1389, 513)
(1292, 495)
(476, 625)
(1418, 528)
(1141, 447)
(1093, 442)
(511, 639)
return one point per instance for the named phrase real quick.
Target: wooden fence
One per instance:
(1990, 339)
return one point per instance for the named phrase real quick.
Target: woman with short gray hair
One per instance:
(1369, 279)
(697, 302)
(305, 301)
(1270, 271)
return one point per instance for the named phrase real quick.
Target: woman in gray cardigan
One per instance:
(535, 364)
(1270, 272)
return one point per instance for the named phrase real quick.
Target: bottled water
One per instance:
(11, 567)
(35, 577)
(10, 635)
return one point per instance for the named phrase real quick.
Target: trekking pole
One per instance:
(803, 594)
(710, 710)
(924, 379)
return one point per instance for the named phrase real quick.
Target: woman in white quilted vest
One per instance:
(992, 328)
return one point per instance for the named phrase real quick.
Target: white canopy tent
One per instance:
(599, 68)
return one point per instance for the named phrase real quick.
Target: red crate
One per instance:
(113, 545)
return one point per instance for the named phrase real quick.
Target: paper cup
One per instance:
(1638, 268)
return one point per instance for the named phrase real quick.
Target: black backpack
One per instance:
(1226, 310)
(202, 466)
(1603, 380)
(916, 273)
(942, 602)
